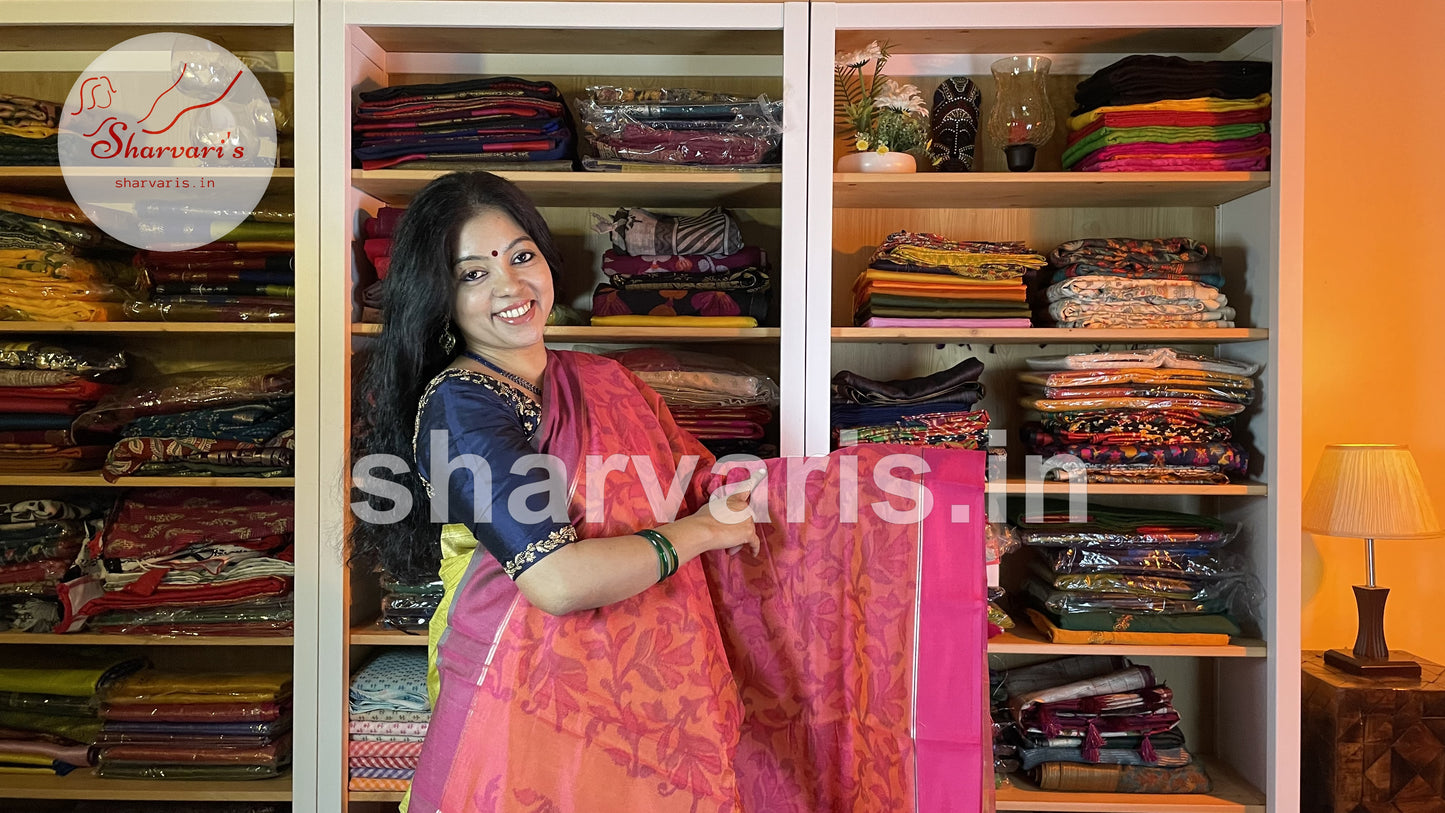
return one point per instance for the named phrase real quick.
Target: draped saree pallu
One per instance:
(842, 669)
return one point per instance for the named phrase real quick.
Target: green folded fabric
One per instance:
(1108, 136)
(251, 230)
(1143, 622)
(71, 680)
(72, 728)
(56, 704)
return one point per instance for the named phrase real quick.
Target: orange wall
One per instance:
(1374, 311)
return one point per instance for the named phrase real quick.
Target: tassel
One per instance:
(1146, 751)
(1093, 741)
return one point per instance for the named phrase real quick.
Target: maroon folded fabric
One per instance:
(404, 763)
(32, 437)
(384, 224)
(194, 712)
(377, 247)
(45, 570)
(157, 522)
(199, 754)
(75, 389)
(615, 263)
(86, 596)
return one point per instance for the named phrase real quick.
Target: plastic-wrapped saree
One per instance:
(840, 670)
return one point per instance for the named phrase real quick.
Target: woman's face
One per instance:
(503, 286)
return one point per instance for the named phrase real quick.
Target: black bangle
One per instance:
(666, 552)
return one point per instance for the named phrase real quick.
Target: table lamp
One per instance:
(1370, 491)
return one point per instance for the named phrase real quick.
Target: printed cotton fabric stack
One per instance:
(388, 720)
(493, 124)
(658, 128)
(43, 388)
(161, 724)
(409, 606)
(932, 410)
(1119, 282)
(1092, 724)
(675, 271)
(213, 562)
(28, 131)
(56, 267)
(39, 541)
(1167, 114)
(1133, 576)
(726, 404)
(49, 711)
(924, 280)
(1137, 416)
(246, 275)
(229, 422)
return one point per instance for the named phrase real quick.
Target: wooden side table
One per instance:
(1372, 745)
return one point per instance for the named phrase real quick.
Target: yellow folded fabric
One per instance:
(1207, 104)
(878, 275)
(918, 255)
(154, 686)
(1063, 636)
(33, 130)
(674, 321)
(68, 682)
(17, 758)
(21, 770)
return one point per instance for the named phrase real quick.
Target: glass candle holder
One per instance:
(1021, 119)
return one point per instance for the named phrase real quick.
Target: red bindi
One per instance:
(494, 253)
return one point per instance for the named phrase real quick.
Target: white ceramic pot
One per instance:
(877, 162)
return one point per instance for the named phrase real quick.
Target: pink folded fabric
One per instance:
(370, 748)
(69, 754)
(1130, 164)
(404, 763)
(883, 321)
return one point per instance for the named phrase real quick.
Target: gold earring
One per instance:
(448, 340)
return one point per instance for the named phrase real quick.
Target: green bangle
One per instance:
(661, 555)
(664, 545)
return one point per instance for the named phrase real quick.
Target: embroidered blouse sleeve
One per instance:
(518, 513)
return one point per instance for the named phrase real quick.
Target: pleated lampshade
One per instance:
(1369, 491)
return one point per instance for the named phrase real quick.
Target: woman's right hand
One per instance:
(718, 525)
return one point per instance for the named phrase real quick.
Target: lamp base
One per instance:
(1346, 661)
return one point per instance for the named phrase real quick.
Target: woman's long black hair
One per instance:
(416, 308)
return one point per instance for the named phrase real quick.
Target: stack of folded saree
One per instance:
(1137, 416)
(680, 271)
(53, 266)
(924, 280)
(226, 422)
(1119, 282)
(494, 124)
(932, 410)
(1167, 114)
(39, 540)
(1132, 576)
(409, 606)
(389, 713)
(246, 274)
(724, 403)
(183, 561)
(376, 235)
(161, 724)
(43, 388)
(659, 127)
(48, 711)
(28, 131)
(1092, 724)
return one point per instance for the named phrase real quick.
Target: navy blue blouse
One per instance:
(520, 515)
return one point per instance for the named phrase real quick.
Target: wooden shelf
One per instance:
(84, 785)
(1231, 794)
(372, 635)
(92, 479)
(601, 189)
(67, 30)
(1019, 486)
(1025, 640)
(376, 795)
(548, 39)
(143, 328)
(1046, 335)
(49, 180)
(1041, 190)
(1202, 40)
(631, 335)
(100, 639)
